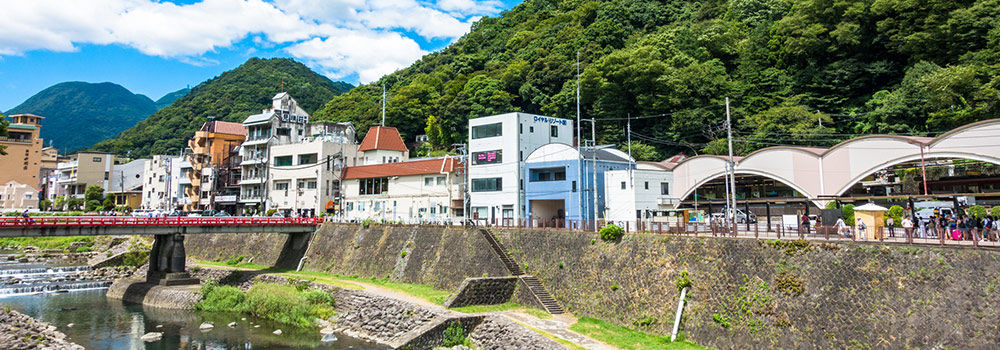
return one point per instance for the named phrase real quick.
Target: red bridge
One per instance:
(125, 225)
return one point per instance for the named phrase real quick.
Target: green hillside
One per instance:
(169, 98)
(232, 96)
(869, 66)
(79, 114)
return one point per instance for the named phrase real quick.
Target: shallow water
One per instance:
(104, 323)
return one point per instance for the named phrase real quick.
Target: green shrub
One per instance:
(454, 335)
(847, 212)
(280, 303)
(220, 298)
(611, 233)
(135, 258)
(683, 281)
(83, 249)
(977, 212)
(831, 205)
(270, 212)
(402, 253)
(896, 213)
(235, 260)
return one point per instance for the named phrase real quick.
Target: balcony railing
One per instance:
(11, 139)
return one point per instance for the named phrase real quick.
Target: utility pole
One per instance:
(732, 165)
(593, 162)
(465, 182)
(628, 132)
(579, 139)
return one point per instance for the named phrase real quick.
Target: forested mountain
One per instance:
(169, 98)
(79, 114)
(232, 96)
(805, 72)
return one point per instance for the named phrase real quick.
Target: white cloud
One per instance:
(369, 54)
(341, 37)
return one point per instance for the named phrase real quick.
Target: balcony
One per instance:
(14, 140)
(667, 201)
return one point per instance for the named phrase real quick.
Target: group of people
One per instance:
(955, 227)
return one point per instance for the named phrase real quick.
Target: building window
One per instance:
(487, 157)
(547, 174)
(647, 184)
(554, 131)
(281, 186)
(664, 188)
(492, 184)
(623, 185)
(308, 184)
(307, 158)
(574, 186)
(531, 129)
(283, 161)
(428, 181)
(520, 128)
(440, 180)
(488, 130)
(106, 175)
(283, 132)
(97, 159)
(370, 186)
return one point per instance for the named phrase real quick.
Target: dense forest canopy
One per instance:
(798, 72)
(232, 96)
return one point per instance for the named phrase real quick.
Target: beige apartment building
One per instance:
(215, 170)
(85, 169)
(14, 195)
(24, 150)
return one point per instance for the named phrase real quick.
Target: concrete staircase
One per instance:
(534, 285)
(543, 296)
(501, 253)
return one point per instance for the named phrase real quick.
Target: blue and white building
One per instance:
(560, 185)
(498, 146)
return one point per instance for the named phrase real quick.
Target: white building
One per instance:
(305, 177)
(640, 194)
(128, 182)
(424, 190)
(498, 146)
(160, 183)
(14, 195)
(383, 144)
(284, 123)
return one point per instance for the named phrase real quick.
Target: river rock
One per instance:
(329, 338)
(277, 332)
(256, 326)
(206, 326)
(326, 330)
(152, 336)
(159, 326)
(70, 325)
(232, 324)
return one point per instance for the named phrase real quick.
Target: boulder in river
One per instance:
(329, 338)
(277, 332)
(152, 336)
(206, 326)
(232, 324)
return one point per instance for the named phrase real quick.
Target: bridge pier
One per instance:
(167, 261)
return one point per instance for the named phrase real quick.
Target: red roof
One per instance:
(221, 127)
(382, 137)
(414, 167)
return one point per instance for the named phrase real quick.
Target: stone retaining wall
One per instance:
(483, 291)
(139, 292)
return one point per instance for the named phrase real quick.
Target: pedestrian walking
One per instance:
(842, 227)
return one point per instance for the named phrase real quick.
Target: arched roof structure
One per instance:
(819, 172)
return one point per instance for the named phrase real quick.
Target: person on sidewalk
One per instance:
(908, 227)
(842, 227)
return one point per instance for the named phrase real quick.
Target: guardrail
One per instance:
(70, 221)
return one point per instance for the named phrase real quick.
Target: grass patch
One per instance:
(44, 242)
(240, 265)
(473, 309)
(537, 313)
(625, 338)
(278, 302)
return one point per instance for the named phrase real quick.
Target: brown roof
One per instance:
(382, 137)
(221, 127)
(413, 167)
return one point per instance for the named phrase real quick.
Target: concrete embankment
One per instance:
(744, 293)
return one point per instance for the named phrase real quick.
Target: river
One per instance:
(42, 291)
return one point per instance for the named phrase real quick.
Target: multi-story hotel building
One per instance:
(24, 151)
(215, 170)
(305, 176)
(284, 123)
(498, 146)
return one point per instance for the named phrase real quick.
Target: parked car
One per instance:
(221, 213)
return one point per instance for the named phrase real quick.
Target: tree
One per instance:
(831, 205)
(93, 205)
(643, 152)
(44, 205)
(60, 203)
(94, 193)
(108, 204)
(847, 212)
(896, 213)
(790, 124)
(434, 133)
(74, 203)
(977, 212)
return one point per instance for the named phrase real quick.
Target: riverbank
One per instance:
(19, 331)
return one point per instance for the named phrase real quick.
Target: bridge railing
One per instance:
(69, 221)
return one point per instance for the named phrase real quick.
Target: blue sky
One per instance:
(155, 47)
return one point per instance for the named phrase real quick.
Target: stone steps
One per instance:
(501, 253)
(543, 296)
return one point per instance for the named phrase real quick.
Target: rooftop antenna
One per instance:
(383, 104)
